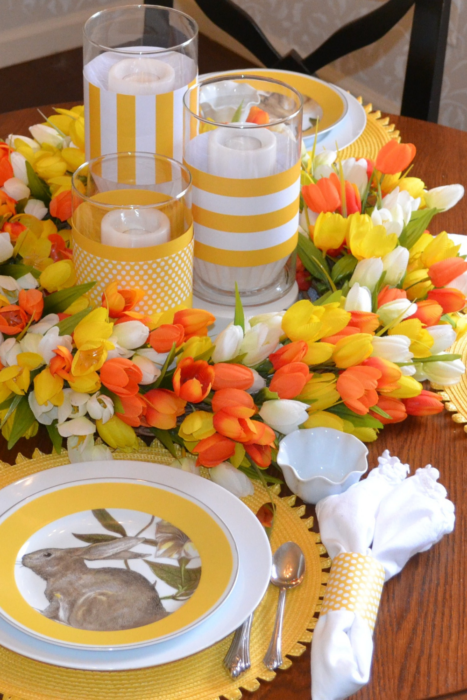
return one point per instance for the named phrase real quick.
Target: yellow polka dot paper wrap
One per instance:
(201, 676)
(355, 584)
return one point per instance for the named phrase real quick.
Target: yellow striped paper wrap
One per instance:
(355, 584)
(145, 123)
(245, 223)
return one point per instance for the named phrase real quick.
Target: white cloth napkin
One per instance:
(399, 517)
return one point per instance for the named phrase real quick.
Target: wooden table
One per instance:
(421, 637)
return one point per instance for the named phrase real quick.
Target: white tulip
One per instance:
(444, 197)
(80, 450)
(395, 348)
(444, 373)
(150, 370)
(158, 358)
(410, 371)
(11, 141)
(36, 208)
(232, 479)
(18, 163)
(404, 200)
(258, 384)
(27, 282)
(76, 426)
(45, 414)
(117, 350)
(392, 221)
(259, 342)
(396, 310)
(186, 464)
(227, 344)
(74, 404)
(6, 249)
(367, 273)
(50, 342)
(46, 134)
(100, 407)
(460, 283)
(355, 171)
(443, 335)
(10, 288)
(395, 265)
(131, 334)
(322, 164)
(284, 415)
(15, 188)
(272, 320)
(358, 299)
(44, 324)
(9, 350)
(30, 343)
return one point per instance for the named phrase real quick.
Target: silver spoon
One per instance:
(288, 570)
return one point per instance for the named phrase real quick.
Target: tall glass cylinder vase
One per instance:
(138, 62)
(139, 235)
(242, 143)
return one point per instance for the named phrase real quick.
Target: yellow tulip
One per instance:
(87, 384)
(390, 182)
(90, 357)
(368, 241)
(408, 387)
(77, 132)
(48, 388)
(59, 275)
(117, 434)
(238, 456)
(417, 284)
(364, 434)
(305, 321)
(50, 165)
(352, 350)
(77, 306)
(320, 391)
(440, 248)
(62, 122)
(26, 150)
(73, 157)
(31, 360)
(34, 251)
(16, 379)
(413, 185)
(194, 347)
(8, 426)
(422, 243)
(94, 326)
(421, 340)
(318, 353)
(322, 419)
(48, 228)
(5, 393)
(59, 184)
(460, 323)
(197, 426)
(330, 231)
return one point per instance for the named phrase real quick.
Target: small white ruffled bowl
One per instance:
(320, 462)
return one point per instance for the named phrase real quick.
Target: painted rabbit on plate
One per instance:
(100, 599)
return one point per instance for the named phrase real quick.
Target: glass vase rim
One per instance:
(154, 156)
(157, 50)
(244, 76)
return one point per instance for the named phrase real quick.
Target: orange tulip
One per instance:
(14, 228)
(395, 157)
(364, 321)
(60, 206)
(162, 409)
(428, 312)
(234, 402)
(121, 376)
(13, 320)
(7, 204)
(213, 450)
(61, 363)
(231, 376)
(388, 294)
(322, 196)
(257, 116)
(344, 333)
(238, 429)
(449, 299)
(353, 202)
(444, 271)
(263, 434)
(427, 403)
(6, 169)
(292, 352)
(134, 409)
(120, 301)
(194, 321)
(390, 373)
(357, 387)
(32, 301)
(163, 338)
(260, 454)
(192, 380)
(393, 407)
(59, 250)
(288, 382)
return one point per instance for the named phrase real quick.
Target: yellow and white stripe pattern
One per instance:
(121, 123)
(245, 222)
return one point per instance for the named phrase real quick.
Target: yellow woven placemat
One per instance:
(378, 131)
(199, 677)
(455, 397)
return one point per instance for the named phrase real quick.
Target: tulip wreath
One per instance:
(382, 302)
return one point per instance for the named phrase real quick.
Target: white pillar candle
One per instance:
(135, 228)
(141, 76)
(242, 153)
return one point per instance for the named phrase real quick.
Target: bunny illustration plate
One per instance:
(113, 564)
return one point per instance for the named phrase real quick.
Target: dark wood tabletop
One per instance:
(420, 638)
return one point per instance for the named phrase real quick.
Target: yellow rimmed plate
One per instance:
(113, 564)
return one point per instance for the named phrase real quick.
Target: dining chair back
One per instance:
(425, 62)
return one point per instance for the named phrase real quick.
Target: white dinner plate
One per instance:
(253, 555)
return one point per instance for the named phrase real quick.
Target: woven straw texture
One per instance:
(199, 677)
(378, 131)
(455, 397)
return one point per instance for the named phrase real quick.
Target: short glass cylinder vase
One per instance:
(138, 62)
(137, 232)
(242, 145)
